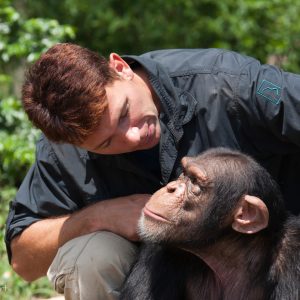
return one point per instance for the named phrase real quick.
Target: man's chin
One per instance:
(150, 145)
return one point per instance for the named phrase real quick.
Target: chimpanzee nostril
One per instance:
(171, 187)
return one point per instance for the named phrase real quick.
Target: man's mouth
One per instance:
(150, 134)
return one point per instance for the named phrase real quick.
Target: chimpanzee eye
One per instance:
(193, 180)
(194, 186)
(196, 189)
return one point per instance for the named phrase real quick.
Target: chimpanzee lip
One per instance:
(154, 215)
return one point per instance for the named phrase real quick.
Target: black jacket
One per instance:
(209, 98)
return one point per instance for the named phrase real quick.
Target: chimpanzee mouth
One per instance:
(155, 216)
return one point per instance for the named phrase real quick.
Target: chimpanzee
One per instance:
(218, 232)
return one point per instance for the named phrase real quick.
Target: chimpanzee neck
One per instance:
(240, 263)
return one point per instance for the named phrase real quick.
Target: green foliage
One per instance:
(21, 38)
(17, 140)
(260, 28)
(21, 41)
(255, 27)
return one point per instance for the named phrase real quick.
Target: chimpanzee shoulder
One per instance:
(163, 272)
(285, 271)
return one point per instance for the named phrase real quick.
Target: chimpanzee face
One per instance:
(177, 209)
(217, 192)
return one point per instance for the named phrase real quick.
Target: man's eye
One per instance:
(106, 144)
(124, 111)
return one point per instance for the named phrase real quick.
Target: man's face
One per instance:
(130, 121)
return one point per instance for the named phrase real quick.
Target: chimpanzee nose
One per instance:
(171, 186)
(176, 187)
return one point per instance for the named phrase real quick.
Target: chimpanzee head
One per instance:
(221, 190)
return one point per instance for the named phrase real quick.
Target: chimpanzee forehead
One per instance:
(193, 167)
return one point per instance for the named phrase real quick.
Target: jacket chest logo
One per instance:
(270, 91)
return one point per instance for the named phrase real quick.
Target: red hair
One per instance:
(64, 92)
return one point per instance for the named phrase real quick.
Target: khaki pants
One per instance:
(92, 267)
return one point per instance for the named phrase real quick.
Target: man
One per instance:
(116, 131)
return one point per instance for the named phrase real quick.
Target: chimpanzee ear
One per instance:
(251, 215)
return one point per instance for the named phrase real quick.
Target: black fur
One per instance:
(164, 272)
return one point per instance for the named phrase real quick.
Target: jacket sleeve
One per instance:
(269, 99)
(43, 193)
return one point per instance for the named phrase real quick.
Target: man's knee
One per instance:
(93, 265)
(107, 255)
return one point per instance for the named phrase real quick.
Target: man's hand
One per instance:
(122, 214)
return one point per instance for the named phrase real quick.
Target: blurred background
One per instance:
(268, 30)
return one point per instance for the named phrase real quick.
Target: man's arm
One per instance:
(35, 248)
(269, 100)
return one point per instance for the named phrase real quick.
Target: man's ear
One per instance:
(120, 66)
(251, 215)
